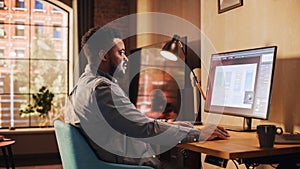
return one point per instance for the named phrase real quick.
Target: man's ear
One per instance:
(103, 55)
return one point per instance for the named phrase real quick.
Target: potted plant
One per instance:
(42, 104)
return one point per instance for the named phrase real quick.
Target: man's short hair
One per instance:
(96, 39)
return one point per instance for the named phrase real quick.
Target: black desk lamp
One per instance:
(170, 52)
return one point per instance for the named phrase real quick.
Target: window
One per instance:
(2, 4)
(56, 32)
(20, 29)
(38, 29)
(1, 53)
(2, 30)
(38, 4)
(20, 4)
(33, 61)
(20, 53)
(1, 85)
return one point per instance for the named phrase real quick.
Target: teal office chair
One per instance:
(76, 153)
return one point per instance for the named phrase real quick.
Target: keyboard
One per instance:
(287, 139)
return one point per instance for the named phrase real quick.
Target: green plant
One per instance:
(42, 103)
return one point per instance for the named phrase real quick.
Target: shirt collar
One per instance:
(93, 69)
(101, 73)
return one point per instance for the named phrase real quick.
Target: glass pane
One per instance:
(60, 38)
(2, 30)
(14, 45)
(20, 4)
(33, 53)
(45, 46)
(58, 16)
(34, 121)
(38, 29)
(2, 5)
(56, 31)
(48, 14)
(10, 110)
(3, 14)
(58, 106)
(19, 12)
(15, 12)
(20, 29)
(1, 53)
(52, 74)
(30, 119)
(57, 111)
(14, 76)
(38, 4)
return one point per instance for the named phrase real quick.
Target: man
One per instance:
(116, 130)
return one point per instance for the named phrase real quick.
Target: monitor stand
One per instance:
(247, 126)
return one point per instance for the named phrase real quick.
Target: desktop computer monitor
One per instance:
(240, 83)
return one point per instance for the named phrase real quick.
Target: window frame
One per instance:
(69, 61)
(20, 29)
(56, 32)
(20, 4)
(38, 5)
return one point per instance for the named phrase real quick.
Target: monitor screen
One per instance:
(240, 82)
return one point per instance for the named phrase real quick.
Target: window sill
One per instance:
(56, 39)
(3, 8)
(56, 12)
(20, 9)
(18, 37)
(27, 131)
(39, 10)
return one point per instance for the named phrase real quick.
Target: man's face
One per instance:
(118, 59)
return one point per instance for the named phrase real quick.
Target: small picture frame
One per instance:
(226, 5)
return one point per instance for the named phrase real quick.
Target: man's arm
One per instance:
(123, 116)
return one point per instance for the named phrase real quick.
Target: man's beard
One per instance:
(118, 71)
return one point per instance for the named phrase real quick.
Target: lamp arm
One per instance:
(201, 91)
(198, 85)
(195, 77)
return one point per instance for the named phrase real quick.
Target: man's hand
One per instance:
(211, 131)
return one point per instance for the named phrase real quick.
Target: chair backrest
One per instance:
(76, 153)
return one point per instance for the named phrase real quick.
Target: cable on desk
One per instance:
(235, 163)
(251, 166)
(6, 139)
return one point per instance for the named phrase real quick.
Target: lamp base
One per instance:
(197, 123)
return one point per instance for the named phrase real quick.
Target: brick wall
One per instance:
(106, 11)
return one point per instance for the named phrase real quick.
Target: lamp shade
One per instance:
(170, 50)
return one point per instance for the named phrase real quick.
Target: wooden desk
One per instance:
(244, 146)
(7, 152)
